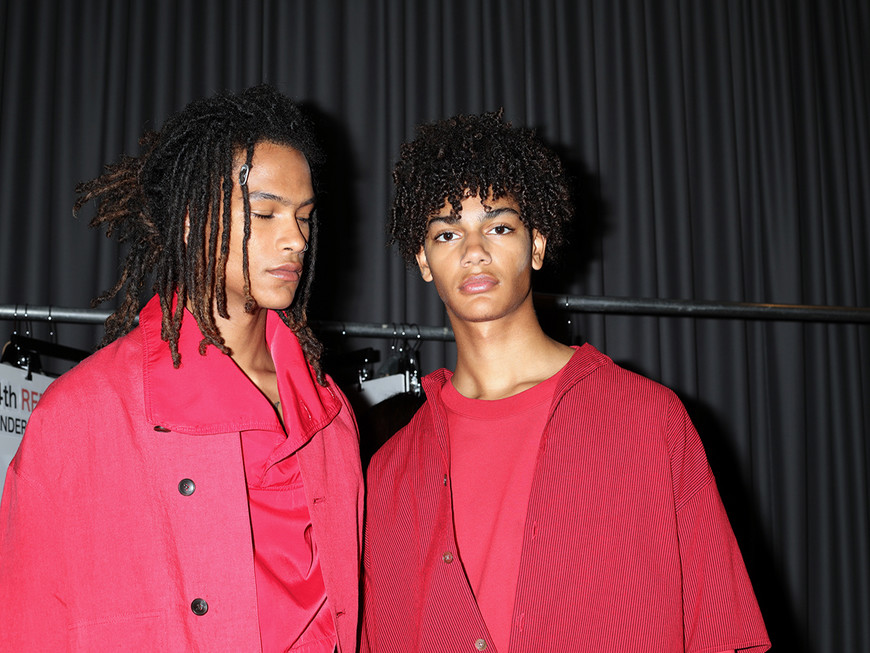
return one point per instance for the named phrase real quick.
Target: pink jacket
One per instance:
(103, 545)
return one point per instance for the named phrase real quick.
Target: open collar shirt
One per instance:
(626, 545)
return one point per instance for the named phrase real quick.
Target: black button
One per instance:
(199, 607)
(186, 487)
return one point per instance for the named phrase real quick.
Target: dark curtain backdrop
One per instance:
(720, 151)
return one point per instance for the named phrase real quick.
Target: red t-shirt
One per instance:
(493, 447)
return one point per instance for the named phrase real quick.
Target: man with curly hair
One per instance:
(543, 499)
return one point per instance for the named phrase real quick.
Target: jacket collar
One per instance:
(209, 394)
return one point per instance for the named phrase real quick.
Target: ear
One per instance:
(186, 227)
(539, 248)
(423, 264)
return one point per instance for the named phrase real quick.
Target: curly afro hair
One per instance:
(477, 154)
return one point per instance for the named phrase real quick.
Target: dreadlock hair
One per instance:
(475, 155)
(185, 171)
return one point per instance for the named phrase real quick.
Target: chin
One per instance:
(479, 319)
(475, 316)
(275, 306)
(276, 301)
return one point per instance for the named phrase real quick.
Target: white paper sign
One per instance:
(18, 398)
(374, 391)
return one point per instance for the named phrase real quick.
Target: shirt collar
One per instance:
(585, 361)
(209, 394)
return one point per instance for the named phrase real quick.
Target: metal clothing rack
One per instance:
(704, 309)
(569, 303)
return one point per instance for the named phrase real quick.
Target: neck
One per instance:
(245, 335)
(500, 358)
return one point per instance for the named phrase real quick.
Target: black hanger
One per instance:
(24, 352)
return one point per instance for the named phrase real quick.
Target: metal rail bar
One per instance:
(28, 313)
(703, 308)
(571, 303)
(403, 331)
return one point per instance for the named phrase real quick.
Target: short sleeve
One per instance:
(720, 611)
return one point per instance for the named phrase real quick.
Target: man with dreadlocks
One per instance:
(195, 485)
(542, 499)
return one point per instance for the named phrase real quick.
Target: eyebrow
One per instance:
(486, 215)
(265, 195)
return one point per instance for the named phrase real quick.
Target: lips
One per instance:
(287, 272)
(477, 283)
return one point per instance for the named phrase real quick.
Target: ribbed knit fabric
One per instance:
(626, 544)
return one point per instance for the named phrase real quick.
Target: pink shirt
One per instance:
(626, 545)
(291, 597)
(493, 447)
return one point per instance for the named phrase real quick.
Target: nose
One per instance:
(293, 236)
(475, 252)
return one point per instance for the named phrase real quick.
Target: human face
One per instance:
(482, 260)
(282, 203)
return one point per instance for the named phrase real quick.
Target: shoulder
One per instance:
(105, 372)
(401, 459)
(82, 402)
(406, 441)
(595, 376)
(605, 397)
(345, 419)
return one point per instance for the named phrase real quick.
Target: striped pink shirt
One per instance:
(626, 544)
